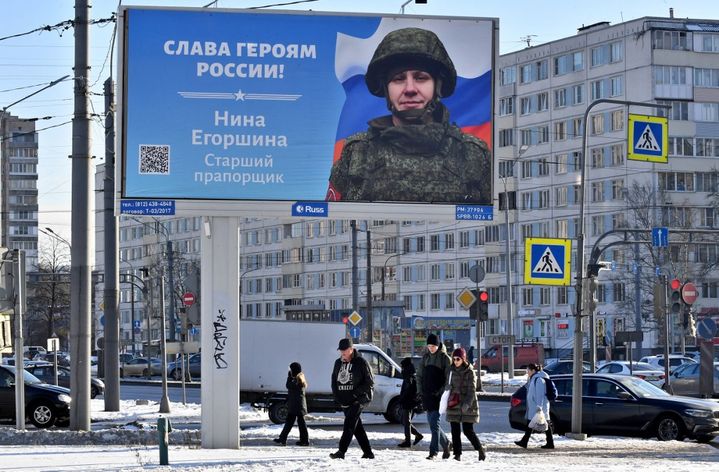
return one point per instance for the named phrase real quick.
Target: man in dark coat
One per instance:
(432, 377)
(352, 387)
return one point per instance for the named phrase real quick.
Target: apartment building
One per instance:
(19, 160)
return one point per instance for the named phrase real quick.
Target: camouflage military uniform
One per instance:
(432, 162)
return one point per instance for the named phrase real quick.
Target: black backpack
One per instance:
(550, 389)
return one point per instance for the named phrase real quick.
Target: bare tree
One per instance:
(48, 298)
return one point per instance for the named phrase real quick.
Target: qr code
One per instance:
(154, 159)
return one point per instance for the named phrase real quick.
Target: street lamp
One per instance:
(143, 290)
(510, 318)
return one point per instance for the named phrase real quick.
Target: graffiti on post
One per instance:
(220, 338)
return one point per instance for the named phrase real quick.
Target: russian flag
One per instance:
(468, 43)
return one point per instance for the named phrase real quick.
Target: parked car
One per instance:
(624, 405)
(675, 360)
(30, 351)
(63, 358)
(45, 405)
(125, 357)
(685, 380)
(174, 369)
(565, 367)
(639, 369)
(494, 358)
(46, 373)
(139, 366)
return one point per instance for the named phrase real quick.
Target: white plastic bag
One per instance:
(538, 422)
(445, 397)
(443, 402)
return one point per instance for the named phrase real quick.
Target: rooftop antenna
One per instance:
(528, 39)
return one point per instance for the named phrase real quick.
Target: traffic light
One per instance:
(591, 294)
(675, 296)
(480, 308)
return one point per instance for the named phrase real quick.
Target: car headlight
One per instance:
(64, 398)
(699, 413)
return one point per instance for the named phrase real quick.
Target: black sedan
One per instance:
(565, 367)
(45, 405)
(621, 405)
(46, 373)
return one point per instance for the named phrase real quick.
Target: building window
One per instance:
(597, 89)
(527, 296)
(617, 120)
(616, 86)
(526, 136)
(617, 154)
(508, 75)
(544, 199)
(597, 192)
(560, 196)
(434, 301)
(670, 75)
(597, 124)
(542, 167)
(670, 40)
(560, 98)
(545, 297)
(543, 134)
(506, 106)
(578, 125)
(562, 227)
(543, 101)
(506, 137)
(617, 189)
(597, 158)
(561, 164)
(679, 110)
(560, 130)
(577, 94)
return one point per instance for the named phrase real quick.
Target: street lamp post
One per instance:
(164, 400)
(510, 318)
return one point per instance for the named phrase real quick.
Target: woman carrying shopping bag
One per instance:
(462, 406)
(537, 402)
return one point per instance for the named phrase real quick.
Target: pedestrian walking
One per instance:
(431, 378)
(537, 401)
(409, 400)
(296, 405)
(470, 355)
(463, 383)
(352, 387)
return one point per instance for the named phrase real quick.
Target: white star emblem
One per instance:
(239, 95)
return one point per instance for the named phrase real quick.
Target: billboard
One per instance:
(242, 105)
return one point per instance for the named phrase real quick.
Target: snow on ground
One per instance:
(122, 444)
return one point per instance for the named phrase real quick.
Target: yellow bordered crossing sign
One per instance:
(648, 138)
(547, 261)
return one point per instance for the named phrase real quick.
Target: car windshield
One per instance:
(27, 376)
(642, 388)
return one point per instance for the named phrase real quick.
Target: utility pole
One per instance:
(370, 318)
(355, 270)
(81, 227)
(112, 261)
(171, 279)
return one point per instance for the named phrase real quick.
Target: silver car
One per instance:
(685, 380)
(639, 369)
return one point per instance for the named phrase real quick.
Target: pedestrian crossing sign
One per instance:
(547, 261)
(648, 138)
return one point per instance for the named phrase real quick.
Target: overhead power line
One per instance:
(60, 27)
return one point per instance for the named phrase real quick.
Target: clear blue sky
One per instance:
(42, 57)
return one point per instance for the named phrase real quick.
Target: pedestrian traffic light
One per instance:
(675, 296)
(591, 294)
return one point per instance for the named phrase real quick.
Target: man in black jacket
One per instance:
(431, 378)
(352, 387)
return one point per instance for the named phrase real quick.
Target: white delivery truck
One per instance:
(268, 347)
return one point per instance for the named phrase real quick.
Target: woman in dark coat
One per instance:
(408, 399)
(296, 405)
(463, 381)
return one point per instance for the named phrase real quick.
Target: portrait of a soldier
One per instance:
(414, 154)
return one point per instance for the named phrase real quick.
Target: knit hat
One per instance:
(460, 352)
(295, 368)
(345, 343)
(432, 339)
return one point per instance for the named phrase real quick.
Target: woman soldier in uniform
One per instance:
(414, 154)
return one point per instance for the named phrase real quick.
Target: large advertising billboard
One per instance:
(244, 105)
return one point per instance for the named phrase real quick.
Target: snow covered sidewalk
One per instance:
(126, 441)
